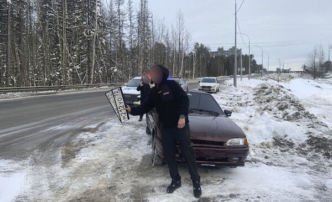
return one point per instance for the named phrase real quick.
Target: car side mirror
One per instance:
(228, 113)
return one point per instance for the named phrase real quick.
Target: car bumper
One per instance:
(220, 156)
(131, 99)
(208, 89)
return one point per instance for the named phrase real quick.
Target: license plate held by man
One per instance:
(115, 98)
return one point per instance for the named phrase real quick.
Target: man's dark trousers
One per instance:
(169, 138)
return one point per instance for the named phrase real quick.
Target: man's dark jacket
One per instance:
(144, 91)
(169, 99)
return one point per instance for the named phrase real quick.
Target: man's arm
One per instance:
(142, 109)
(139, 88)
(183, 99)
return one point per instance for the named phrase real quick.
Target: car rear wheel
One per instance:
(147, 131)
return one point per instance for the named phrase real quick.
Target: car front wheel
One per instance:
(155, 158)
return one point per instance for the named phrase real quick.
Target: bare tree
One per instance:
(94, 42)
(315, 64)
(131, 37)
(180, 32)
(8, 68)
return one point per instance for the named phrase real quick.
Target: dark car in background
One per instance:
(216, 140)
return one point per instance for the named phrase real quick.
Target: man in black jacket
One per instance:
(172, 105)
(144, 88)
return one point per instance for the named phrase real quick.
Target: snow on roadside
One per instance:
(283, 133)
(316, 95)
(12, 179)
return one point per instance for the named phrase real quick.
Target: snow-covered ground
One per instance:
(288, 125)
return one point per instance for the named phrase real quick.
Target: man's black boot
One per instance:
(197, 188)
(176, 183)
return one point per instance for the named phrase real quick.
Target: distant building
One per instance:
(278, 70)
(226, 53)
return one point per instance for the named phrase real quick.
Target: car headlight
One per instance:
(237, 142)
(213, 86)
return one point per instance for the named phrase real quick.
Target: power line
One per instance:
(238, 24)
(240, 6)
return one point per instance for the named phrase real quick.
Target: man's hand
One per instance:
(182, 122)
(141, 84)
(128, 109)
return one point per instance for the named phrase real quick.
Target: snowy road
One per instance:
(40, 132)
(29, 110)
(25, 123)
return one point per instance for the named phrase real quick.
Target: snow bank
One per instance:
(283, 130)
(328, 184)
(12, 180)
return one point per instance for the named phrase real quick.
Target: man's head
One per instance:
(146, 79)
(159, 74)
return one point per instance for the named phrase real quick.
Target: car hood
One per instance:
(130, 90)
(208, 84)
(210, 128)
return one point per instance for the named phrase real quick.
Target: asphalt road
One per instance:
(46, 123)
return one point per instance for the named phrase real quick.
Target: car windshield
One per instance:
(175, 79)
(204, 102)
(134, 82)
(208, 80)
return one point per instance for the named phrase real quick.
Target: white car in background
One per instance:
(209, 84)
(130, 94)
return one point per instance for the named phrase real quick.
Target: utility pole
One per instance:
(330, 47)
(249, 60)
(279, 70)
(268, 61)
(241, 65)
(235, 50)
(249, 56)
(262, 59)
(194, 63)
(262, 64)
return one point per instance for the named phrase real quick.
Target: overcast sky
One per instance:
(286, 29)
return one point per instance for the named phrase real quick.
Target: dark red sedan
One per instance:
(216, 140)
